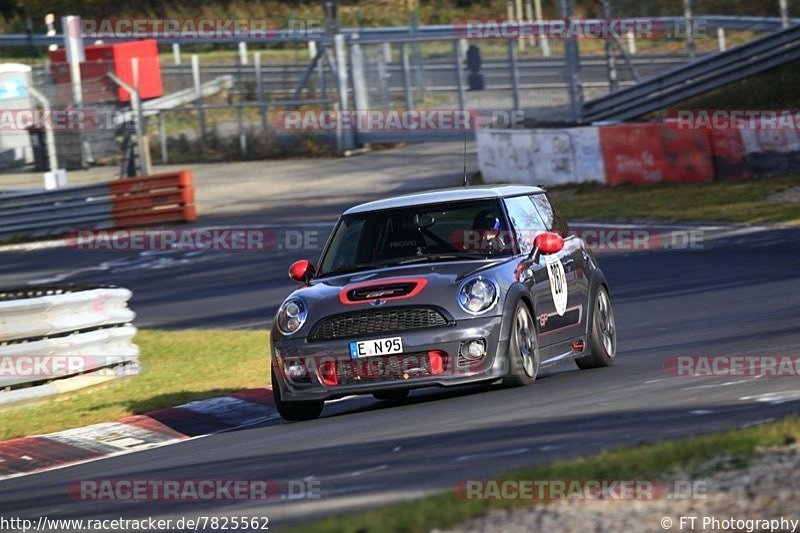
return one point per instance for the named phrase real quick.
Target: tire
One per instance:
(295, 411)
(603, 347)
(392, 395)
(523, 349)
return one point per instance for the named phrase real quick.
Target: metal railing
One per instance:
(89, 327)
(697, 77)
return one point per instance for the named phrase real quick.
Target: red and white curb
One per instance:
(29, 455)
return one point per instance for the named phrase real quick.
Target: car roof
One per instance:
(445, 195)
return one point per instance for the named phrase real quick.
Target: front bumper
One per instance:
(352, 378)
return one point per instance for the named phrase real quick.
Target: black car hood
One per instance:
(439, 285)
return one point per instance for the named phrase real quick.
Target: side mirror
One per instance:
(548, 243)
(301, 271)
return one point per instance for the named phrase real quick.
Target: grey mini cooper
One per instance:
(439, 289)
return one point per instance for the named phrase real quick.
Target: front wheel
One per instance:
(295, 411)
(604, 334)
(523, 349)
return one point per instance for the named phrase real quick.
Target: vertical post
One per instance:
(406, 77)
(162, 133)
(459, 74)
(176, 53)
(342, 88)
(239, 91)
(573, 66)
(519, 19)
(688, 18)
(784, 6)
(242, 52)
(73, 45)
(262, 109)
(512, 60)
(359, 81)
(198, 97)
(631, 37)
(611, 59)
(529, 18)
(136, 108)
(721, 39)
(383, 77)
(543, 38)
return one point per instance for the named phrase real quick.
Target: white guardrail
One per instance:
(58, 339)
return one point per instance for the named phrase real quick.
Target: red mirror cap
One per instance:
(301, 270)
(549, 243)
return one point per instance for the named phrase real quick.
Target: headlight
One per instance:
(478, 295)
(291, 316)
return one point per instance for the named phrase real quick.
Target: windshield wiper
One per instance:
(442, 257)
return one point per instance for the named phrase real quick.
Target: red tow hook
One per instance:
(577, 346)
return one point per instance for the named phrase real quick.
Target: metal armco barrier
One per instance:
(49, 334)
(156, 199)
(697, 77)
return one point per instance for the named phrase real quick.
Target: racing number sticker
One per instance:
(558, 282)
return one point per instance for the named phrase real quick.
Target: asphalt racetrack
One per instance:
(739, 294)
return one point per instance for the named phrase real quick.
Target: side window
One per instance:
(549, 214)
(526, 222)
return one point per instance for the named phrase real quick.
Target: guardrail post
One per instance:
(262, 109)
(573, 66)
(359, 83)
(543, 38)
(198, 91)
(459, 74)
(176, 53)
(162, 133)
(631, 38)
(784, 6)
(721, 39)
(383, 76)
(238, 92)
(406, 77)
(512, 60)
(347, 142)
(687, 15)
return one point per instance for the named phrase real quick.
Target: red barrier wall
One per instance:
(727, 153)
(651, 152)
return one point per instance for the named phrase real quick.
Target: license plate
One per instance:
(389, 346)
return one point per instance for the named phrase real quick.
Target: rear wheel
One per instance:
(523, 349)
(392, 395)
(295, 411)
(604, 334)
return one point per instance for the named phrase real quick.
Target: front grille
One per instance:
(371, 322)
(386, 368)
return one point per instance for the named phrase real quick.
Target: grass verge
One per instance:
(177, 367)
(647, 461)
(724, 201)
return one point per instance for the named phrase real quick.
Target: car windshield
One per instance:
(417, 234)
